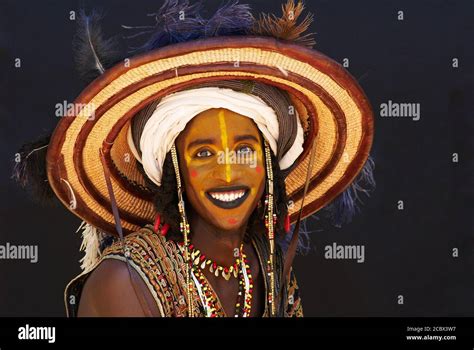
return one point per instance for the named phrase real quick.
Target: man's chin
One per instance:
(228, 223)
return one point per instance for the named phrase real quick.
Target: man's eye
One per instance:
(204, 153)
(244, 150)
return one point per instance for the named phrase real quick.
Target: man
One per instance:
(185, 227)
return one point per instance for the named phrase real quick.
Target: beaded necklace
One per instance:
(243, 304)
(225, 271)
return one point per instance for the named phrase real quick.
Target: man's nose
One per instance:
(223, 171)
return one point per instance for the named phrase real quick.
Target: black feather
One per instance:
(176, 21)
(29, 170)
(339, 212)
(93, 53)
(346, 205)
(231, 19)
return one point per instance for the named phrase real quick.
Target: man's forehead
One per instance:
(212, 121)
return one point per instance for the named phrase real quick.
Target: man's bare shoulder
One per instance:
(109, 291)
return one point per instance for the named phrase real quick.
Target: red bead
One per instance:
(287, 223)
(157, 222)
(164, 229)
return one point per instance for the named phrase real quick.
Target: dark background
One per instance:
(408, 252)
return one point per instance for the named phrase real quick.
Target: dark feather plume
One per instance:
(93, 53)
(344, 207)
(339, 212)
(29, 170)
(176, 21)
(231, 19)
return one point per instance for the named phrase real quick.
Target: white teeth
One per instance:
(227, 196)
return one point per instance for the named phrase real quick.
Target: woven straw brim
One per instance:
(333, 109)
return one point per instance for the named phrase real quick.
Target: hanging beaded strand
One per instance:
(270, 219)
(184, 228)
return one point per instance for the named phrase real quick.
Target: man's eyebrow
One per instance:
(198, 142)
(245, 137)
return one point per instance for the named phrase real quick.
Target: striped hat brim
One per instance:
(333, 109)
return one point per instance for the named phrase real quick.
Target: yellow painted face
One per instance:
(221, 162)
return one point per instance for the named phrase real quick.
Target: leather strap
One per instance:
(291, 252)
(118, 226)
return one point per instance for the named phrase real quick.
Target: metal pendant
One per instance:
(196, 261)
(226, 275)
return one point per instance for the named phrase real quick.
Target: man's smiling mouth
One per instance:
(228, 197)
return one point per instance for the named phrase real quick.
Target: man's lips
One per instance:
(229, 197)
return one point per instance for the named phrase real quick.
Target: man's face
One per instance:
(221, 162)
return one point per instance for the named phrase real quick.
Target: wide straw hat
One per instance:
(334, 111)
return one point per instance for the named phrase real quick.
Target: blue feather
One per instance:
(346, 205)
(92, 52)
(231, 19)
(339, 212)
(177, 21)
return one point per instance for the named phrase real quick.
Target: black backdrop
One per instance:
(407, 252)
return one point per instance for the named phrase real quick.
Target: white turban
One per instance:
(176, 110)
